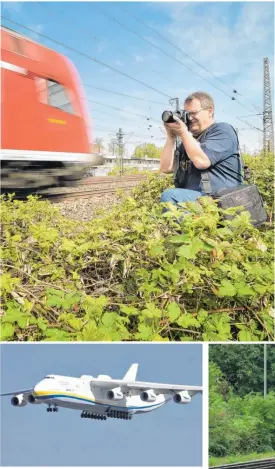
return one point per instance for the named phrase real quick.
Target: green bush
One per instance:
(136, 273)
(238, 425)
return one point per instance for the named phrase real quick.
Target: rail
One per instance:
(260, 464)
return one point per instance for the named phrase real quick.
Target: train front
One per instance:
(45, 125)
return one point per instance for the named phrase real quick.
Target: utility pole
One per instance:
(268, 143)
(120, 150)
(265, 374)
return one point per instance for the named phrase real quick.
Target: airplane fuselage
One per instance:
(79, 394)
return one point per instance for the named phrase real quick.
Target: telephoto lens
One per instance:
(167, 116)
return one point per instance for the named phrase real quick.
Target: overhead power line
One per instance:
(169, 55)
(252, 126)
(88, 57)
(180, 50)
(125, 95)
(118, 109)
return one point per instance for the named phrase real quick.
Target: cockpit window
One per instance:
(49, 377)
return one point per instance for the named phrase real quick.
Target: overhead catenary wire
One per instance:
(172, 57)
(180, 50)
(125, 95)
(252, 126)
(87, 56)
(119, 109)
(95, 38)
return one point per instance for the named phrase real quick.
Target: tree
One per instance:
(243, 365)
(113, 146)
(99, 143)
(147, 150)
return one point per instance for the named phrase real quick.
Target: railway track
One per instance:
(59, 197)
(260, 464)
(98, 192)
(110, 179)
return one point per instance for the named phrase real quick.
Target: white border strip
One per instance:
(13, 68)
(28, 155)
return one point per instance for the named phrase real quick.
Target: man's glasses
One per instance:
(194, 113)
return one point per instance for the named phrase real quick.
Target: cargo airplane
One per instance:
(103, 397)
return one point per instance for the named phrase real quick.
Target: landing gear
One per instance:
(87, 415)
(117, 414)
(52, 409)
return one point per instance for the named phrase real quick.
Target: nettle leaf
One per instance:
(179, 239)
(92, 333)
(227, 289)
(55, 301)
(174, 311)
(151, 311)
(71, 299)
(190, 251)
(7, 331)
(245, 335)
(57, 335)
(202, 315)
(68, 245)
(244, 289)
(94, 307)
(8, 282)
(52, 291)
(129, 310)
(110, 319)
(186, 320)
(145, 332)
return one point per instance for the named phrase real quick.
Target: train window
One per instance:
(54, 94)
(58, 97)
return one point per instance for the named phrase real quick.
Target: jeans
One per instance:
(179, 195)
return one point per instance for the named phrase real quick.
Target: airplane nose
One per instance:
(37, 388)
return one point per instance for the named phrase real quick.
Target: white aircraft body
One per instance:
(103, 397)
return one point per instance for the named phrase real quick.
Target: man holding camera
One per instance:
(208, 158)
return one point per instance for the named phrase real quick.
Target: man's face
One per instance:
(199, 120)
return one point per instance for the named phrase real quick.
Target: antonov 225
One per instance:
(103, 397)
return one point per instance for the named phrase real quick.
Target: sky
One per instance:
(169, 436)
(229, 39)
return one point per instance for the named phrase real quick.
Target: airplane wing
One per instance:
(142, 386)
(15, 393)
(165, 388)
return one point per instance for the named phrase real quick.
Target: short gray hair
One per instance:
(204, 98)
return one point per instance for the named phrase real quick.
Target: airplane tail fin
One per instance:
(131, 373)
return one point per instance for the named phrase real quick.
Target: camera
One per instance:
(167, 116)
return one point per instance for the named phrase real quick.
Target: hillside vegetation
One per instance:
(136, 273)
(241, 420)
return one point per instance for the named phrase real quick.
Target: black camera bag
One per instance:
(246, 195)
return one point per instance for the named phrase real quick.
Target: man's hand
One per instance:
(177, 128)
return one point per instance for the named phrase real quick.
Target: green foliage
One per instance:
(239, 424)
(148, 150)
(135, 273)
(243, 366)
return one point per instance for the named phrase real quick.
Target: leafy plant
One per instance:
(136, 273)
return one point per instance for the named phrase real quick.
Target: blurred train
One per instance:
(44, 122)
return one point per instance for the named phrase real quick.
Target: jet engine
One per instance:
(148, 396)
(182, 398)
(19, 400)
(32, 400)
(115, 394)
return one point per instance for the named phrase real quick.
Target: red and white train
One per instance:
(45, 138)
